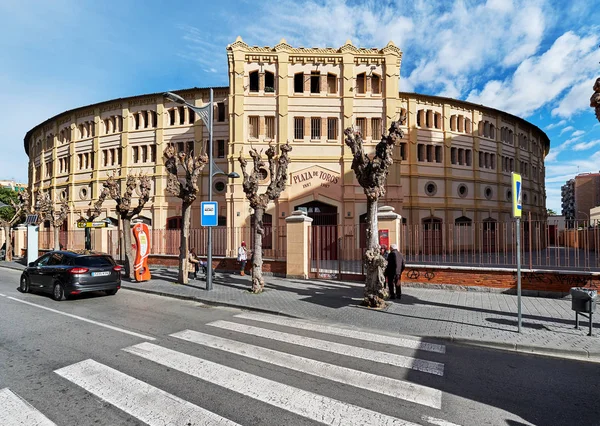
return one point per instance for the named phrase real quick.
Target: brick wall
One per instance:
(230, 264)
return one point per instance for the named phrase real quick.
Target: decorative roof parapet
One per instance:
(283, 45)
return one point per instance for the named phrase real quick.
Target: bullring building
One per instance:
(453, 165)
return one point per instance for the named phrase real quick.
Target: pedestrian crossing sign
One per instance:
(517, 195)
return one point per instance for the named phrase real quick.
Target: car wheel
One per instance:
(58, 292)
(111, 292)
(24, 286)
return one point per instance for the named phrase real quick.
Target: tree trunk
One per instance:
(184, 247)
(258, 283)
(56, 230)
(129, 256)
(374, 262)
(8, 253)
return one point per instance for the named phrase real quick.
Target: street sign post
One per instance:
(92, 224)
(208, 215)
(517, 209)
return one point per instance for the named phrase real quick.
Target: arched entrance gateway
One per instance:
(324, 229)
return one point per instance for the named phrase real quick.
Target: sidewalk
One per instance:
(466, 317)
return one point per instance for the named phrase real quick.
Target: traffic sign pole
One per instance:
(209, 283)
(517, 211)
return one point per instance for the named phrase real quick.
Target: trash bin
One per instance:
(583, 302)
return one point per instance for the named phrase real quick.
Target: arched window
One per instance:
(375, 84)
(492, 131)
(453, 123)
(254, 81)
(269, 82)
(174, 222)
(361, 84)
(463, 221)
(467, 125)
(181, 115)
(172, 117)
(299, 83)
(136, 118)
(331, 83)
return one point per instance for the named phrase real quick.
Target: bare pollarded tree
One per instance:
(278, 176)
(187, 190)
(47, 210)
(125, 210)
(10, 217)
(595, 99)
(371, 173)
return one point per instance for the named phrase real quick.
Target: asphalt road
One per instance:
(135, 359)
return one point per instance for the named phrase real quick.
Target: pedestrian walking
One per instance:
(193, 262)
(242, 257)
(393, 272)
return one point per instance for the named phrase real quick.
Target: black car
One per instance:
(66, 273)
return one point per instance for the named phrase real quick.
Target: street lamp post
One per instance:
(206, 113)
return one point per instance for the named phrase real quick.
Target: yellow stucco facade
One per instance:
(454, 161)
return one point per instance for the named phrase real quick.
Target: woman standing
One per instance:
(242, 257)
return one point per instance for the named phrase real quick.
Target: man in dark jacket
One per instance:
(393, 271)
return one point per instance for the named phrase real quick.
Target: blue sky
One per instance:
(537, 59)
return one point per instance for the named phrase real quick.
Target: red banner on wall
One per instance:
(142, 239)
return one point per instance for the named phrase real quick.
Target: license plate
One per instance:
(100, 274)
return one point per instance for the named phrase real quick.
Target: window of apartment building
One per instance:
(299, 128)
(136, 119)
(438, 154)
(270, 127)
(172, 117)
(144, 154)
(220, 148)
(420, 152)
(191, 117)
(376, 128)
(315, 128)
(253, 126)
(221, 111)
(315, 82)
(375, 84)
(299, 83)
(361, 126)
(135, 154)
(361, 83)
(468, 157)
(269, 82)
(254, 81)
(332, 128)
(331, 83)
(152, 153)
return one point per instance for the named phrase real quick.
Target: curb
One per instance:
(14, 268)
(578, 354)
(208, 302)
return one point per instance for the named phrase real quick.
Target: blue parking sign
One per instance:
(208, 213)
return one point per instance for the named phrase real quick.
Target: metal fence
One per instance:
(225, 241)
(72, 240)
(337, 250)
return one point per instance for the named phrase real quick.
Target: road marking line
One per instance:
(307, 404)
(145, 402)
(384, 385)
(133, 333)
(3, 295)
(15, 411)
(354, 334)
(437, 422)
(431, 367)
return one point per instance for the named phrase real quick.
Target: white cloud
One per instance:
(582, 146)
(578, 133)
(566, 129)
(558, 124)
(541, 79)
(577, 99)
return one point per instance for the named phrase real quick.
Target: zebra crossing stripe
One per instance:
(15, 411)
(384, 385)
(148, 404)
(307, 404)
(425, 366)
(415, 343)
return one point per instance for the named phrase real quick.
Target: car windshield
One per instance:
(93, 261)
